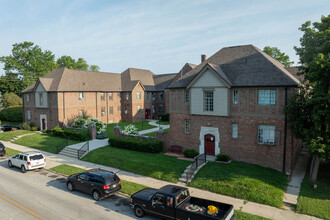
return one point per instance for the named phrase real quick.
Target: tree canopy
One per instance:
(11, 100)
(277, 54)
(309, 109)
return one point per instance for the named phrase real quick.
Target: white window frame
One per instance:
(235, 130)
(266, 134)
(208, 101)
(127, 96)
(102, 96)
(138, 95)
(267, 97)
(27, 97)
(186, 126)
(102, 111)
(81, 96)
(235, 97)
(110, 96)
(28, 115)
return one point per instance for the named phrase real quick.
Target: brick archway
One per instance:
(209, 130)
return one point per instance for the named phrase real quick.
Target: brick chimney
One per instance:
(203, 57)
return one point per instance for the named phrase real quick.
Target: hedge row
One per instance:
(164, 117)
(13, 114)
(150, 146)
(79, 135)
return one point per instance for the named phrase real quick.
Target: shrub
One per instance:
(27, 125)
(14, 114)
(102, 135)
(11, 100)
(190, 153)
(222, 157)
(164, 117)
(130, 129)
(150, 146)
(100, 127)
(57, 131)
(78, 123)
(34, 129)
(79, 135)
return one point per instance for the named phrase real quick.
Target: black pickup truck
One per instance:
(175, 202)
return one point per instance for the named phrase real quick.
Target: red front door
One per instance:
(209, 144)
(43, 124)
(147, 114)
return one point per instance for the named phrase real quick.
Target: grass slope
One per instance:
(158, 166)
(45, 142)
(312, 201)
(11, 152)
(6, 136)
(244, 181)
(246, 216)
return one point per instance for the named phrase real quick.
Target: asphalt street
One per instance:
(41, 194)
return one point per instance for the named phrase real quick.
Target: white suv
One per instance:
(27, 161)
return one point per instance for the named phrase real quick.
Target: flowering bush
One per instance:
(130, 129)
(100, 127)
(78, 123)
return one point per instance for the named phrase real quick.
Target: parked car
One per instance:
(96, 182)
(2, 149)
(175, 202)
(5, 127)
(27, 161)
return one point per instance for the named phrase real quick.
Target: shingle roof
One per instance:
(29, 88)
(163, 80)
(294, 71)
(244, 66)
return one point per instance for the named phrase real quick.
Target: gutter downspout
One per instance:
(285, 131)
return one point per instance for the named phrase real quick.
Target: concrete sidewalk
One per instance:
(153, 123)
(93, 144)
(249, 207)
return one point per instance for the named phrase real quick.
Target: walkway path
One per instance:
(249, 207)
(293, 189)
(18, 137)
(153, 123)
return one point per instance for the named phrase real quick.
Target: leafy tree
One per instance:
(80, 64)
(11, 100)
(1, 101)
(94, 68)
(28, 62)
(10, 83)
(277, 54)
(309, 109)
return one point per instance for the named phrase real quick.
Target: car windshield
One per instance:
(36, 157)
(182, 196)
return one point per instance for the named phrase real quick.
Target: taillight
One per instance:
(29, 163)
(119, 181)
(45, 159)
(106, 187)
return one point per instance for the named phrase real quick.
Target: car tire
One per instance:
(70, 187)
(138, 211)
(96, 195)
(10, 164)
(23, 169)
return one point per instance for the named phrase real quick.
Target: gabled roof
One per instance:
(244, 66)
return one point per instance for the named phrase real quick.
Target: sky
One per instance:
(160, 36)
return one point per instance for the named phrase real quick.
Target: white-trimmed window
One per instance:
(81, 96)
(80, 112)
(138, 108)
(235, 97)
(186, 126)
(138, 95)
(161, 108)
(102, 111)
(28, 115)
(111, 110)
(266, 134)
(102, 96)
(153, 109)
(235, 130)
(208, 101)
(41, 101)
(27, 97)
(110, 96)
(186, 96)
(127, 96)
(267, 97)
(126, 110)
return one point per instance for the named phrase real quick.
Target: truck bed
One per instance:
(225, 211)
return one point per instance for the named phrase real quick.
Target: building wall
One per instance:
(138, 115)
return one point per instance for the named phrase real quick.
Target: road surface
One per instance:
(41, 194)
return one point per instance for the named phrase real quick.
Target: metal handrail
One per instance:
(83, 150)
(195, 165)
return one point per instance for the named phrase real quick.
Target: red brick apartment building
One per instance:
(232, 103)
(63, 94)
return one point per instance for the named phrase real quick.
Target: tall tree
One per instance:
(94, 68)
(28, 62)
(11, 100)
(309, 110)
(10, 82)
(277, 54)
(80, 64)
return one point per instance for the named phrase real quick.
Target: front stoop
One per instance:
(183, 177)
(70, 152)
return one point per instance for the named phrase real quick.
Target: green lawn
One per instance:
(153, 134)
(128, 188)
(163, 122)
(11, 123)
(44, 142)
(11, 152)
(246, 216)
(312, 201)
(138, 125)
(158, 166)
(6, 136)
(244, 181)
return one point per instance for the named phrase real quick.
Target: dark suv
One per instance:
(96, 182)
(2, 150)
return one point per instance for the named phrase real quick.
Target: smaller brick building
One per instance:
(63, 94)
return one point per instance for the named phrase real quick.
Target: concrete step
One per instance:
(70, 149)
(183, 180)
(69, 155)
